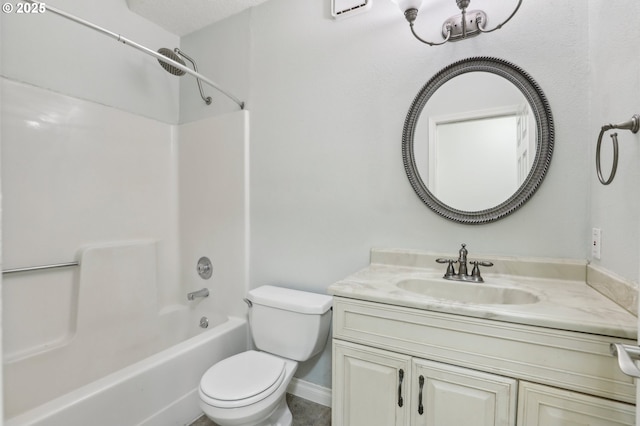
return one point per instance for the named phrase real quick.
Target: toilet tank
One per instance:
(293, 324)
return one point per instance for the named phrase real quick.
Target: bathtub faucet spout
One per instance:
(200, 293)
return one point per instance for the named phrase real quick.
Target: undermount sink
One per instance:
(467, 292)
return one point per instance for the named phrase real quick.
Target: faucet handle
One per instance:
(450, 271)
(475, 273)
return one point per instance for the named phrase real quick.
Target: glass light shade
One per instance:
(408, 4)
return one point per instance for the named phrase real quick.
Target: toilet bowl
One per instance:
(249, 389)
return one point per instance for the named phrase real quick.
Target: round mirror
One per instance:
(478, 140)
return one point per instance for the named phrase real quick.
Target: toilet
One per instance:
(249, 389)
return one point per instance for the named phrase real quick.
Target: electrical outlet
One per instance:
(596, 242)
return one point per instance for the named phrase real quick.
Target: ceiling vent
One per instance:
(346, 8)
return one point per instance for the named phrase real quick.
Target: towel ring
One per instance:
(614, 167)
(634, 126)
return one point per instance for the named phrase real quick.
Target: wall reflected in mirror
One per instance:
(475, 141)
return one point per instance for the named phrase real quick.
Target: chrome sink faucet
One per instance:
(463, 274)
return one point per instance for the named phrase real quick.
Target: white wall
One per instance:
(1, 259)
(328, 101)
(52, 52)
(614, 83)
(221, 53)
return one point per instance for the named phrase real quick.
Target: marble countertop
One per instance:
(565, 302)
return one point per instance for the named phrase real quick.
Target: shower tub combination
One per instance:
(125, 363)
(100, 344)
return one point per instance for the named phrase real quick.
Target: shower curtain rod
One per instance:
(140, 47)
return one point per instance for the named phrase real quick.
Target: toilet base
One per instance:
(280, 416)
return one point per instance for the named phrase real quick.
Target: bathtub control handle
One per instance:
(204, 268)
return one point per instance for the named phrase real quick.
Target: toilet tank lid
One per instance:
(290, 300)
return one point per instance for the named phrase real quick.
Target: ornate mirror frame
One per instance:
(544, 143)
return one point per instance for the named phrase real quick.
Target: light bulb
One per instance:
(408, 4)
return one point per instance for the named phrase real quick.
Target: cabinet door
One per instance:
(446, 395)
(540, 405)
(369, 386)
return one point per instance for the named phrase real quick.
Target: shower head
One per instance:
(173, 56)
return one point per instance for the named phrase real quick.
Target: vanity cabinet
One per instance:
(370, 386)
(546, 406)
(475, 371)
(426, 393)
(450, 395)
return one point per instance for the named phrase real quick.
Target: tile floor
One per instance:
(305, 413)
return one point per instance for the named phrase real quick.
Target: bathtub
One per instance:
(161, 389)
(123, 357)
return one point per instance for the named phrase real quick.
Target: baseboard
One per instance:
(310, 391)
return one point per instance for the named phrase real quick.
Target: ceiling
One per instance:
(186, 16)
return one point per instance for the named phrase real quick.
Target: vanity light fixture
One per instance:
(468, 23)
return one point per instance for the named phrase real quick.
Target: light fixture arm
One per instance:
(464, 22)
(411, 15)
(457, 27)
(481, 26)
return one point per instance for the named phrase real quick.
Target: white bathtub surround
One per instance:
(116, 322)
(113, 280)
(213, 164)
(565, 301)
(77, 173)
(86, 182)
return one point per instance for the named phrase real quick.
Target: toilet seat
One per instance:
(242, 379)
